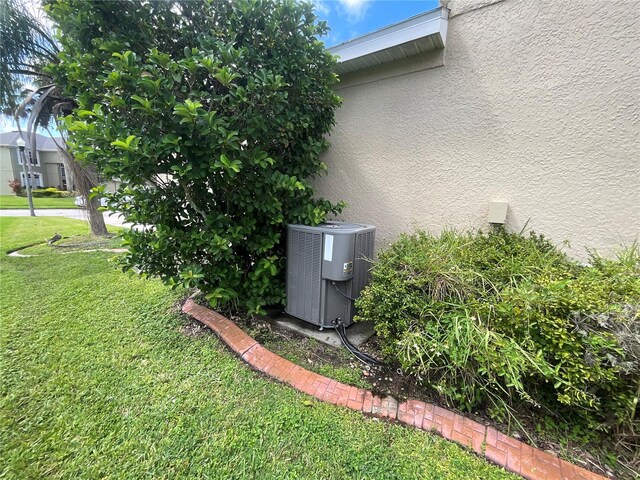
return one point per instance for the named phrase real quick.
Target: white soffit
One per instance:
(427, 31)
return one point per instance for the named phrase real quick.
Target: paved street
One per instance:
(77, 213)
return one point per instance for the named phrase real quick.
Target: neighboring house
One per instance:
(47, 165)
(534, 103)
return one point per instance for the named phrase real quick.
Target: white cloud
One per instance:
(355, 9)
(322, 7)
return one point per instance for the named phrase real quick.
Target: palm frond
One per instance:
(27, 45)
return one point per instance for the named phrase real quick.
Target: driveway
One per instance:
(114, 219)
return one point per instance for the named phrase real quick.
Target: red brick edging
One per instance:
(488, 442)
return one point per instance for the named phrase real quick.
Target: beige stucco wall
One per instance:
(536, 103)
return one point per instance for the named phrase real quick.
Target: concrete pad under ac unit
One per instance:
(358, 333)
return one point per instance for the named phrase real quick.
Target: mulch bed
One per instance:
(390, 380)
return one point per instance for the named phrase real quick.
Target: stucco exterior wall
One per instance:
(536, 103)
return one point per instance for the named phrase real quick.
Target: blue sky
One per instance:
(351, 18)
(348, 19)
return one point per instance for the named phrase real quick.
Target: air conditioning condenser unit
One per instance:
(327, 268)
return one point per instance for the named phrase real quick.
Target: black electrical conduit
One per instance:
(342, 293)
(363, 357)
(342, 333)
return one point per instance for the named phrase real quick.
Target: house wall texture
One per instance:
(6, 171)
(536, 103)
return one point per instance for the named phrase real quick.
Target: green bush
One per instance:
(213, 115)
(50, 192)
(497, 318)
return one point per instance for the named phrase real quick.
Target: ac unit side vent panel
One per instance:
(303, 275)
(365, 243)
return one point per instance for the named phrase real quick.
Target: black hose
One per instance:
(363, 357)
(342, 293)
(342, 333)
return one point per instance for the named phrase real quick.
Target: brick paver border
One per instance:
(488, 442)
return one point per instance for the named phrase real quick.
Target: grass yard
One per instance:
(11, 201)
(103, 378)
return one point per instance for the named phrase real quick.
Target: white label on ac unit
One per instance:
(347, 268)
(328, 248)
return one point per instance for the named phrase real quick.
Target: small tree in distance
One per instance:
(214, 121)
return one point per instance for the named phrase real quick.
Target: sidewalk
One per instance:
(113, 219)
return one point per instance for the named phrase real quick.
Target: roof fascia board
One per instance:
(433, 22)
(8, 145)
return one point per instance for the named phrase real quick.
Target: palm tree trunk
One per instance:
(85, 178)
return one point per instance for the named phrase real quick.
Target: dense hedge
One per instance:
(51, 192)
(496, 318)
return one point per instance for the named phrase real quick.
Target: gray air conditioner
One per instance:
(327, 267)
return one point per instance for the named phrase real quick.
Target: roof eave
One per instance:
(6, 145)
(424, 32)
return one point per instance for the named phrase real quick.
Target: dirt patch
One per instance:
(283, 340)
(194, 329)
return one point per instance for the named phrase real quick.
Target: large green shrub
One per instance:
(496, 318)
(213, 115)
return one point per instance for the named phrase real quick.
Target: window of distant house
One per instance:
(36, 182)
(27, 153)
(63, 177)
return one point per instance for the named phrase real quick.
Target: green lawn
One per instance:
(11, 201)
(99, 381)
